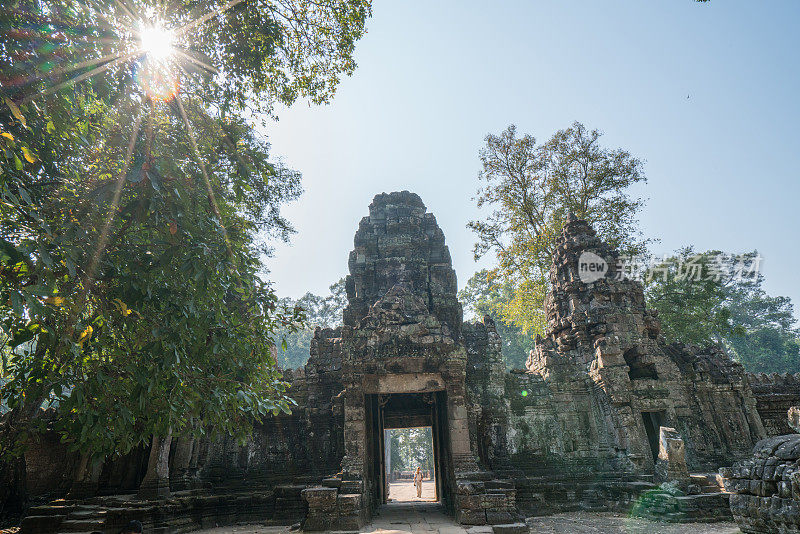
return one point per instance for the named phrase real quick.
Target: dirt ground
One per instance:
(405, 492)
(428, 518)
(609, 523)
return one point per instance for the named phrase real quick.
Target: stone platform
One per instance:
(183, 512)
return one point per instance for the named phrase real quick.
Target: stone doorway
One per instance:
(395, 411)
(653, 421)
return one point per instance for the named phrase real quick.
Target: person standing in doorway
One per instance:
(418, 481)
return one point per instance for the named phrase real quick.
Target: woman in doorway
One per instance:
(418, 481)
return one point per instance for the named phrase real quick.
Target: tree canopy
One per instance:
(322, 312)
(531, 188)
(137, 198)
(702, 298)
(712, 297)
(485, 294)
(410, 448)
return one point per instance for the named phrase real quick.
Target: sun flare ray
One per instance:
(199, 160)
(112, 211)
(80, 78)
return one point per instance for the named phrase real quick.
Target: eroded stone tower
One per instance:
(404, 363)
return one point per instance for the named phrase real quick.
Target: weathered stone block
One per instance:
(320, 499)
(352, 487)
(470, 502)
(348, 503)
(471, 517)
(494, 501)
(495, 517)
(511, 528)
(469, 487)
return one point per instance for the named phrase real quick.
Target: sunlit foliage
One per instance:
(137, 199)
(530, 189)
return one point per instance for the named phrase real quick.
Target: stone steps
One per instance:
(511, 528)
(182, 514)
(49, 509)
(87, 514)
(708, 483)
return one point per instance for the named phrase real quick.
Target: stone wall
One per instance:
(775, 394)
(766, 487)
(49, 466)
(486, 391)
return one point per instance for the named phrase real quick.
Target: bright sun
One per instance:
(156, 41)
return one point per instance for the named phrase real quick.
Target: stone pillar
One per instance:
(354, 435)
(671, 462)
(87, 478)
(155, 484)
(463, 457)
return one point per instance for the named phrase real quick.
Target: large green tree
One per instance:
(530, 189)
(487, 295)
(135, 199)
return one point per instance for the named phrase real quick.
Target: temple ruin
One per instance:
(605, 411)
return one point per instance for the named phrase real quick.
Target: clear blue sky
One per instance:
(434, 78)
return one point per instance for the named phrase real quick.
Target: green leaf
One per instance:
(16, 112)
(16, 303)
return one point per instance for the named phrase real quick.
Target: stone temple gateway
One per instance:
(604, 411)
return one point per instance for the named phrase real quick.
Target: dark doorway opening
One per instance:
(653, 421)
(397, 412)
(637, 368)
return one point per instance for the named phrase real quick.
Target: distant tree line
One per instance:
(323, 312)
(410, 448)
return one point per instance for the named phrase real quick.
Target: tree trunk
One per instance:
(13, 480)
(179, 476)
(155, 485)
(87, 478)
